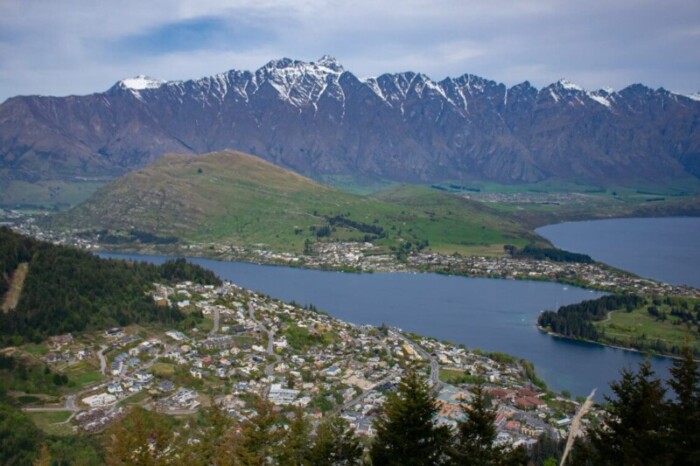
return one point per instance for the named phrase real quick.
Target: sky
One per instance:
(53, 47)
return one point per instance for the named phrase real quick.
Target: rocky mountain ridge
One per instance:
(318, 119)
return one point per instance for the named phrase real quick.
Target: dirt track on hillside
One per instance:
(13, 294)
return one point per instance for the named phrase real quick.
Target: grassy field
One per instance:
(639, 328)
(135, 399)
(456, 377)
(83, 374)
(35, 349)
(163, 369)
(49, 194)
(555, 201)
(240, 200)
(51, 422)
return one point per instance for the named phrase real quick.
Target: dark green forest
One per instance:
(540, 253)
(575, 320)
(67, 290)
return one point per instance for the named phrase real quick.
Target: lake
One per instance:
(491, 314)
(664, 249)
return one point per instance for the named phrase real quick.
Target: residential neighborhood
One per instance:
(247, 346)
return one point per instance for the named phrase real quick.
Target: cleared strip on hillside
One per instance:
(13, 294)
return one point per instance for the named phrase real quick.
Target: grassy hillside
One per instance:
(234, 198)
(658, 324)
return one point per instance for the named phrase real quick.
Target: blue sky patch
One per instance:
(192, 35)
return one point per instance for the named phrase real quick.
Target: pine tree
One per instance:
(259, 438)
(635, 428)
(408, 435)
(141, 438)
(295, 447)
(476, 436)
(44, 458)
(210, 446)
(335, 444)
(684, 412)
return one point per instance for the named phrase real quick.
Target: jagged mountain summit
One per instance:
(319, 119)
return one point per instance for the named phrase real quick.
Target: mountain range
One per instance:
(318, 119)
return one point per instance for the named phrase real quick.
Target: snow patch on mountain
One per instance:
(569, 86)
(600, 99)
(141, 82)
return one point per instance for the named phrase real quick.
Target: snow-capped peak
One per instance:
(695, 96)
(569, 85)
(141, 82)
(330, 62)
(325, 65)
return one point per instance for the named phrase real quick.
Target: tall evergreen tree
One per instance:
(295, 449)
(141, 438)
(335, 444)
(635, 428)
(259, 437)
(407, 434)
(476, 435)
(209, 446)
(684, 411)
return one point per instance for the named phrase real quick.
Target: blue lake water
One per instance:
(665, 249)
(494, 315)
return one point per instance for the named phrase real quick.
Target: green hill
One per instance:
(238, 199)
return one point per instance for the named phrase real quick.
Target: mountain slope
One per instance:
(238, 199)
(318, 119)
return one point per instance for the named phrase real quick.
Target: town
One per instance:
(366, 257)
(247, 345)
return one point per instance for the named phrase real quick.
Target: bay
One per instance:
(664, 249)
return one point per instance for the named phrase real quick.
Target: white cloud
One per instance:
(77, 46)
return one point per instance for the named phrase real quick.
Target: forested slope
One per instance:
(67, 290)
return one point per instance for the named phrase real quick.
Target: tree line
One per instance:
(553, 254)
(575, 320)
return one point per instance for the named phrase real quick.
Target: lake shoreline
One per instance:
(598, 276)
(674, 357)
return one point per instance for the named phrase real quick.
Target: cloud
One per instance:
(82, 46)
(206, 33)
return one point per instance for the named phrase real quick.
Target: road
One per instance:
(69, 406)
(270, 368)
(434, 365)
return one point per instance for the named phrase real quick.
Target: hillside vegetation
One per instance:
(664, 325)
(237, 199)
(67, 290)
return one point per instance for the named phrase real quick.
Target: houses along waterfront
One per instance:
(250, 345)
